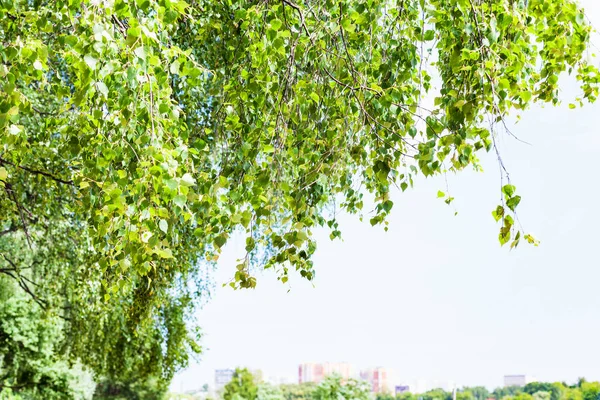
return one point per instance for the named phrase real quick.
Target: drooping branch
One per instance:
(37, 172)
(13, 272)
(12, 229)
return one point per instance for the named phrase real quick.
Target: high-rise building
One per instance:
(378, 378)
(517, 380)
(316, 372)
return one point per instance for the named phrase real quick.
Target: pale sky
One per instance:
(436, 297)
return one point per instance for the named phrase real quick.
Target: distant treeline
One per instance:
(582, 390)
(244, 387)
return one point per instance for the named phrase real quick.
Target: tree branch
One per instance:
(12, 229)
(36, 172)
(22, 281)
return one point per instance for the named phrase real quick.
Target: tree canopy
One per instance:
(241, 386)
(138, 136)
(335, 388)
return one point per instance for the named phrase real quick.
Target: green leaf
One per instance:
(498, 213)
(90, 61)
(171, 184)
(276, 24)
(269, 148)
(140, 52)
(102, 88)
(525, 96)
(165, 253)
(163, 225)
(188, 180)
(459, 104)
(220, 241)
(15, 129)
(250, 244)
(145, 237)
(508, 190)
(513, 202)
(174, 68)
(180, 200)
(3, 174)
(440, 194)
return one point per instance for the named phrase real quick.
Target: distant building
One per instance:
(378, 378)
(316, 372)
(517, 380)
(223, 377)
(401, 389)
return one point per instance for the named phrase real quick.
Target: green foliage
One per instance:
(522, 396)
(590, 390)
(554, 390)
(302, 391)
(406, 396)
(477, 392)
(31, 365)
(436, 394)
(335, 388)
(242, 386)
(532, 391)
(384, 396)
(138, 136)
(510, 391)
(269, 392)
(541, 395)
(141, 389)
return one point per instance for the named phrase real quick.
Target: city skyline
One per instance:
(380, 379)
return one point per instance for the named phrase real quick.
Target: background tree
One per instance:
(302, 391)
(573, 394)
(406, 396)
(385, 396)
(479, 392)
(542, 395)
(436, 394)
(553, 389)
(242, 384)
(31, 365)
(590, 390)
(464, 394)
(335, 388)
(502, 392)
(144, 388)
(269, 392)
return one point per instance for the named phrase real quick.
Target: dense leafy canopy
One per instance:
(269, 392)
(138, 136)
(242, 386)
(302, 391)
(336, 388)
(30, 358)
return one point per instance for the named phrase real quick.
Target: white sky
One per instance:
(436, 297)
